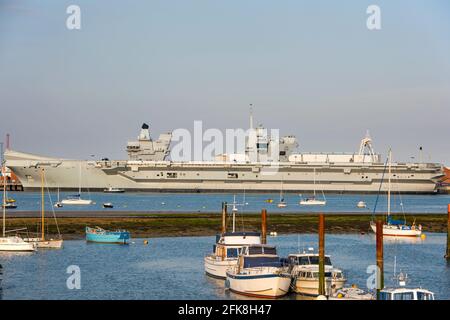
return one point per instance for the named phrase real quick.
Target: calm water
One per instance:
(212, 202)
(172, 268)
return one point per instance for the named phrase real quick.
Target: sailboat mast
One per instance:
(42, 206)
(281, 191)
(79, 181)
(4, 200)
(314, 183)
(389, 184)
(234, 213)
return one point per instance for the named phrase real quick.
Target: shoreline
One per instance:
(152, 225)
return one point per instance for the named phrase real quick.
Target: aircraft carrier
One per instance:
(149, 168)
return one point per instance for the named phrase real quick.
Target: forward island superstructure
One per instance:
(265, 163)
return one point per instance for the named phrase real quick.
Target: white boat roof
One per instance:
(305, 254)
(405, 289)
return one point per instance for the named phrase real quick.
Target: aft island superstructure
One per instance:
(266, 163)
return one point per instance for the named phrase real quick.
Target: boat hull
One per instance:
(76, 202)
(310, 287)
(117, 237)
(15, 244)
(259, 285)
(214, 176)
(217, 268)
(394, 231)
(50, 244)
(312, 203)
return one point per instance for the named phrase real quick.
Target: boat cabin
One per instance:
(307, 259)
(228, 244)
(255, 256)
(405, 294)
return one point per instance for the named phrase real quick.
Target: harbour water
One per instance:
(203, 202)
(172, 268)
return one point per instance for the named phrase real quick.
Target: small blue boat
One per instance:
(100, 235)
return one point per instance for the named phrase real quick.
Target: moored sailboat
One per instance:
(76, 199)
(282, 203)
(313, 201)
(391, 227)
(11, 243)
(42, 242)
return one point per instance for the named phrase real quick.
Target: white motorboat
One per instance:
(259, 272)
(108, 205)
(395, 228)
(225, 251)
(11, 243)
(313, 201)
(304, 270)
(401, 292)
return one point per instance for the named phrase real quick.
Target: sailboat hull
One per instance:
(312, 203)
(397, 231)
(76, 202)
(49, 244)
(15, 244)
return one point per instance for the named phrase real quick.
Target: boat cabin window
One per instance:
(315, 260)
(233, 175)
(262, 250)
(253, 262)
(327, 274)
(404, 296)
(232, 253)
(385, 296)
(424, 296)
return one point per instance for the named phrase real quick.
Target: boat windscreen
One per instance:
(262, 250)
(315, 260)
(251, 262)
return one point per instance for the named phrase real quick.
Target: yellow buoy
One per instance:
(423, 236)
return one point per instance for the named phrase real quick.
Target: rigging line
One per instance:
(401, 202)
(379, 189)
(53, 208)
(242, 216)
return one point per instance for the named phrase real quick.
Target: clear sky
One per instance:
(311, 68)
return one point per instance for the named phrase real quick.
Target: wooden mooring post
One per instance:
(322, 290)
(380, 262)
(263, 226)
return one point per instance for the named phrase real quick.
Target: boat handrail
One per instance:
(15, 230)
